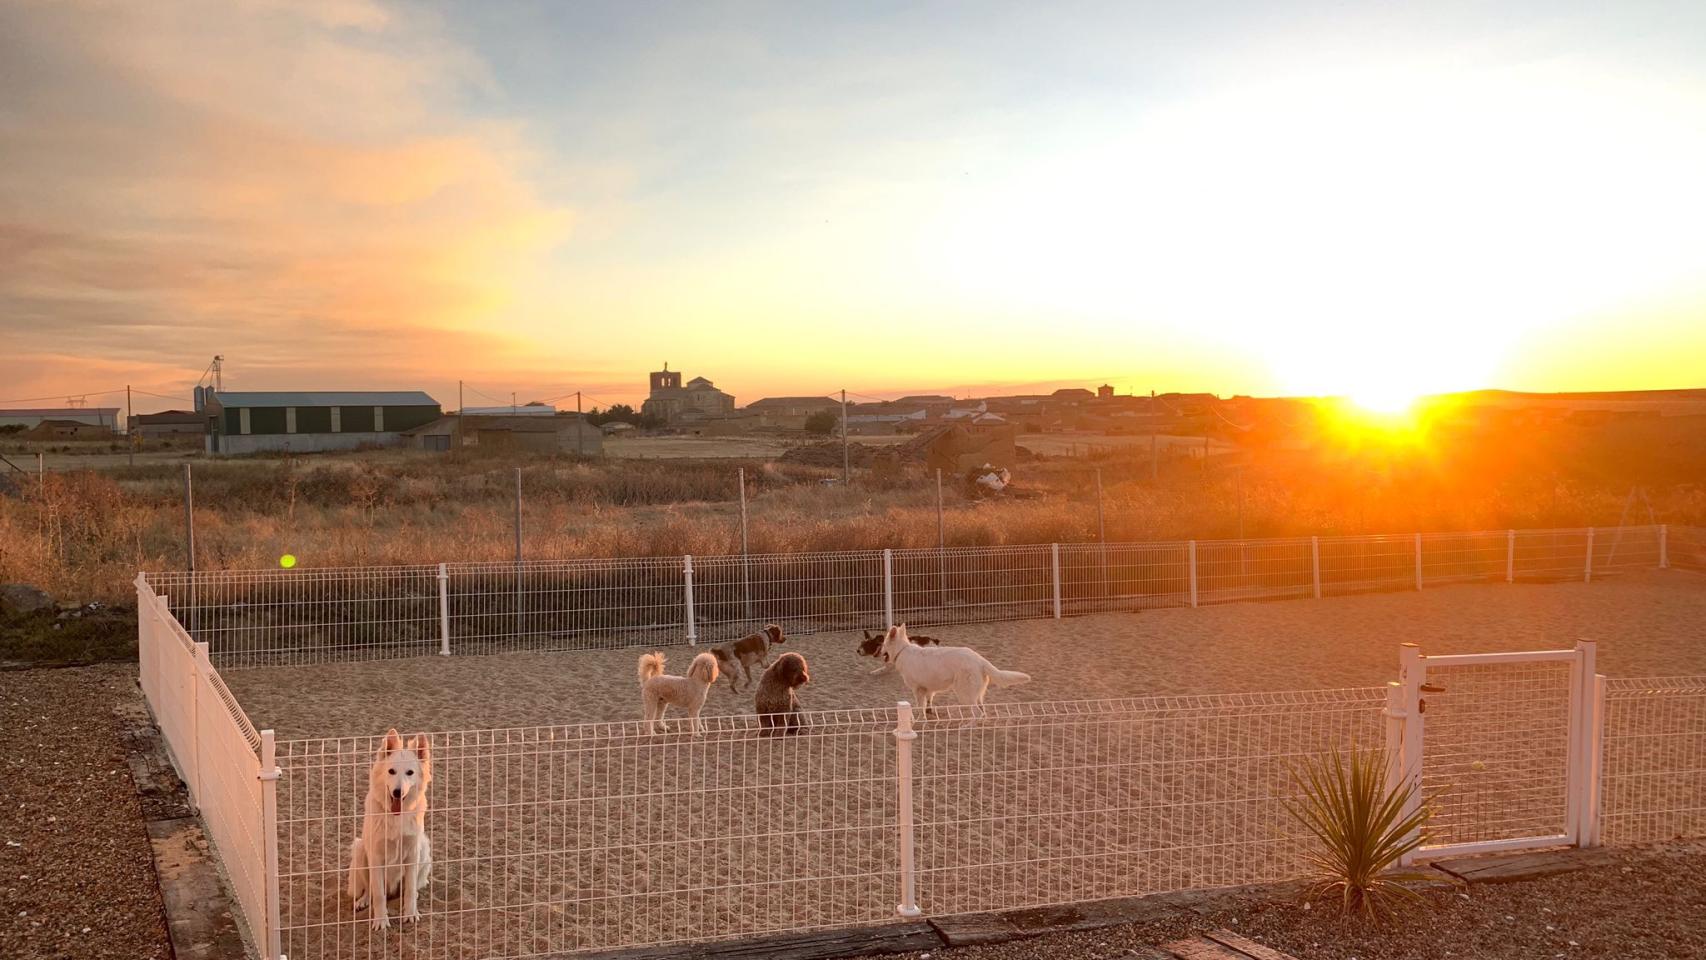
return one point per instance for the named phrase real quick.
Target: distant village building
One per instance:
(789, 412)
(250, 422)
(505, 432)
(1104, 392)
(671, 402)
(33, 416)
(68, 430)
(169, 423)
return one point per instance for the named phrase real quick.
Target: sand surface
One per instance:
(1649, 624)
(555, 838)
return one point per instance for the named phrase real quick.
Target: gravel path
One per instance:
(76, 872)
(1647, 904)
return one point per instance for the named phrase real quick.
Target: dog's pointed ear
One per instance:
(393, 741)
(422, 747)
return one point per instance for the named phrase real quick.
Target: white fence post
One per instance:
(1054, 575)
(1664, 546)
(271, 938)
(1584, 719)
(1510, 556)
(198, 657)
(1191, 557)
(903, 737)
(1596, 757)
(1394, 713)
(1418, 561)
(1410, 675)
(443, 610)
(888, 586)
(1587, 566)
(1315, 564)
(687, 596)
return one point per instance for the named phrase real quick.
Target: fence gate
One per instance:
(1502, 745)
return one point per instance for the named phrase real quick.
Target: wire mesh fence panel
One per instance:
(805, 592)
(1233, 570)
(1621, 549)
(565, 605)
(1685, 548)
(1464, 557)
(258, 617)
(1053, 803)
(546, 840)
(1096, 577)
(1550, 554)
(972, 584)
(1364, 564)
(1495, 757)
(1653, 770)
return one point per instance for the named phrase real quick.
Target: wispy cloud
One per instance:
(295, 185)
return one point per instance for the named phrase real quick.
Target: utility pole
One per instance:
(846, 457)
(512, 401)
(580, 447)
(1154, 468)
(129, 435)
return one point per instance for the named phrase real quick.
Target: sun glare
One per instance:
(1387, 401)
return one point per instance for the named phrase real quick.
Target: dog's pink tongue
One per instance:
(396, 804)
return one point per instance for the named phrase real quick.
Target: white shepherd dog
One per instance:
(393, 856)
(927, 671)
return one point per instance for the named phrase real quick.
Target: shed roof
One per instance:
(327, 398)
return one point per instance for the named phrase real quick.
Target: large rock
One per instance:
(22, 598)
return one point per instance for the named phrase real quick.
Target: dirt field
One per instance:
(1646, 625)
(551, 838)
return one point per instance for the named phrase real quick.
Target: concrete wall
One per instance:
(300, 442)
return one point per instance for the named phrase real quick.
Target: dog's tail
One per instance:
(1004, 678)
(704, 668)
(651, 665)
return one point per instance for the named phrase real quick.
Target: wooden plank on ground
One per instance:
(903, 937)
(974, 928)
(1199, 950)
(1511, 867)
(1246, 946)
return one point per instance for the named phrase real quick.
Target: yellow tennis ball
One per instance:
(1478, 765)
(287, 561)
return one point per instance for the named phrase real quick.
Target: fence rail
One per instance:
(306, 615)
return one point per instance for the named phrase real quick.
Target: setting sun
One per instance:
(1388, 400)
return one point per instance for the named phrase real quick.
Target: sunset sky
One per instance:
(793, 198)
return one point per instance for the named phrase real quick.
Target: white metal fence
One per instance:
(1653, 782)
(313, 615)
(220, 755)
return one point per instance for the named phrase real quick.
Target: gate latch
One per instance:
(1422, 702)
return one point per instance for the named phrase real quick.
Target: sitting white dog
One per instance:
(927, 671)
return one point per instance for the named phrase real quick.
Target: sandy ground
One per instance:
(1646, 625)
(550, 838)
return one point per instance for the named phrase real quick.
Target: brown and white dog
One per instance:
(659, 692)
(393, 856)
(777, 702)
(747, 653)
(872, 646)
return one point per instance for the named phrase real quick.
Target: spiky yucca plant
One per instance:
(1362, 829)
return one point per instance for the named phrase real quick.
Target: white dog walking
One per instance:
(393, 856)
(927, 671)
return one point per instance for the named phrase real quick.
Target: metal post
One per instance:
(846, 457)
(1587, 566)
(517, 514)
(1054, 575)
(1411, 672)
(1315, 564)
(687, 596)
(580, 425)
(271, 939)
(1101, 540)
(1154, 458)
(443, 610)
(888, 587)
(1510, 556)
(1596, 756)
(745, 568)
(1191, 558)
(41, 476)
(1664, 545)
(189, 522)
(1418, 561)
(904, 735)
(1394, 736)
(942, 526)
(198, 660)
(1101, 528)
(1583, 720)
(129, 431)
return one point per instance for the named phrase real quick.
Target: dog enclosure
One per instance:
(594, 836)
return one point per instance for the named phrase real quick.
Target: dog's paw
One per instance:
(381, 923)
(410, 916)
(361, 904)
